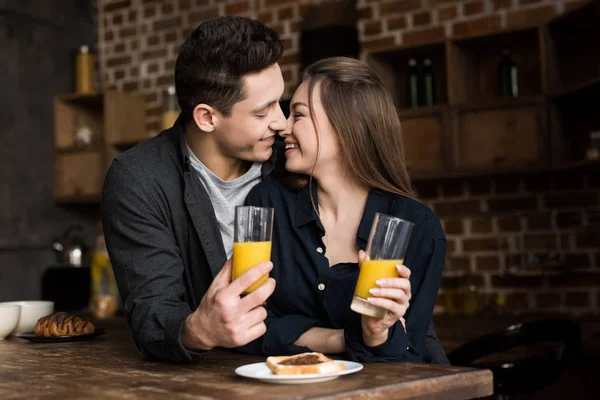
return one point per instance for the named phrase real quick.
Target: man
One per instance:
(168, 204)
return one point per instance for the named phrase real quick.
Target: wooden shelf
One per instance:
(78, 199)
(92, 148)
(91, 98)
(392, 65)
(546, 129)
(573, 165)
(589, 86)
(473, 64)
(108, 123)
(584, 17)
(572, 46)
(421, 111)
(503, 102)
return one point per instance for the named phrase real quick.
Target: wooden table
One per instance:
(110, 366)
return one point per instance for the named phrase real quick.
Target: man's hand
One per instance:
(226, 319)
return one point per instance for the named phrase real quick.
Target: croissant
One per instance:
(63, 324)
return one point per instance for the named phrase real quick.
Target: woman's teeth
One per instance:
(291, 146)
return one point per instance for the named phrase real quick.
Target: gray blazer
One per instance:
(164, 242)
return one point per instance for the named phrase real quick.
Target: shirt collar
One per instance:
(305, 212)
(376, 202)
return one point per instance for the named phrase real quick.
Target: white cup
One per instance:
(9, 318)
(31, 312)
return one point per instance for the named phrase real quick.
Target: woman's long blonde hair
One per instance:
(362, 113)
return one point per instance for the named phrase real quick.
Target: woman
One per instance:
(344, 148)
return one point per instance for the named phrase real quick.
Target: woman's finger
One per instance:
(403, 271)
(398, 283)
(398, 295)
(361, 257)
(397, 310)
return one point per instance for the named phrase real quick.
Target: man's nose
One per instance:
(279, 123)
(288, 127)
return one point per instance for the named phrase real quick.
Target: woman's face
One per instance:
(303, 150)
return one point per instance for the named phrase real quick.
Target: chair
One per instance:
(434, 352)
(528, 374)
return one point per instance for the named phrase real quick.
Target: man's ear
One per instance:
(205, 117)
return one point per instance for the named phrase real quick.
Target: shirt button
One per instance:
(321, 287)
(320, 250)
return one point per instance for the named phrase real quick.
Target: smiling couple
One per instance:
(168, 210)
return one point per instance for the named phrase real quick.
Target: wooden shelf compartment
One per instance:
(392, 66)
(114, 120)
(573, 51)
(473, 64)
(573, 118)
(501, 135)
(79, 176)
(427, 140)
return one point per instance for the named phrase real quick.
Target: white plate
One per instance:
(262, 372)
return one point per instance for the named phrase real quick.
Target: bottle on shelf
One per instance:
(84, 66)
(428, 91)
(170, 108)
(104, 296)
(500, 305)
(593, 150)
(471, 297)
(412, 87)
(508, 82)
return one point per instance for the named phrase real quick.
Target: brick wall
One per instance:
(485, 218)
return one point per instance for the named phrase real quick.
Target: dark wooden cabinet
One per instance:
(474, 62)
(472, 131)
(501, 137)
(426, 140)
(89, 130)
(392, 66)
(78, 176)
(573, 82)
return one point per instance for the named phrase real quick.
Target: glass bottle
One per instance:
(508, 82)
(428, 84)
(170, 108)
(104, 299)
(412, 87)
(500, 305)
(593, 150)
(84, 65)
(471, 297)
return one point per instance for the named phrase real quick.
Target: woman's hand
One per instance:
(323, 340)
(393, 295)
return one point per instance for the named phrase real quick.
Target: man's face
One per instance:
(249, 132)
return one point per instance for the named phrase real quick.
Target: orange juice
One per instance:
(371, 271)
(247, 255)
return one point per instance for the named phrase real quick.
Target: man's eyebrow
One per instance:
(264, 106)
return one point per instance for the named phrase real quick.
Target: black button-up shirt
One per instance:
(312, 293)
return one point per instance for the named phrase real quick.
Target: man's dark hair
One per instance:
(215, 57)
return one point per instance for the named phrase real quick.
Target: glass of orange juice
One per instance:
(386, 247)
(252, 233)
